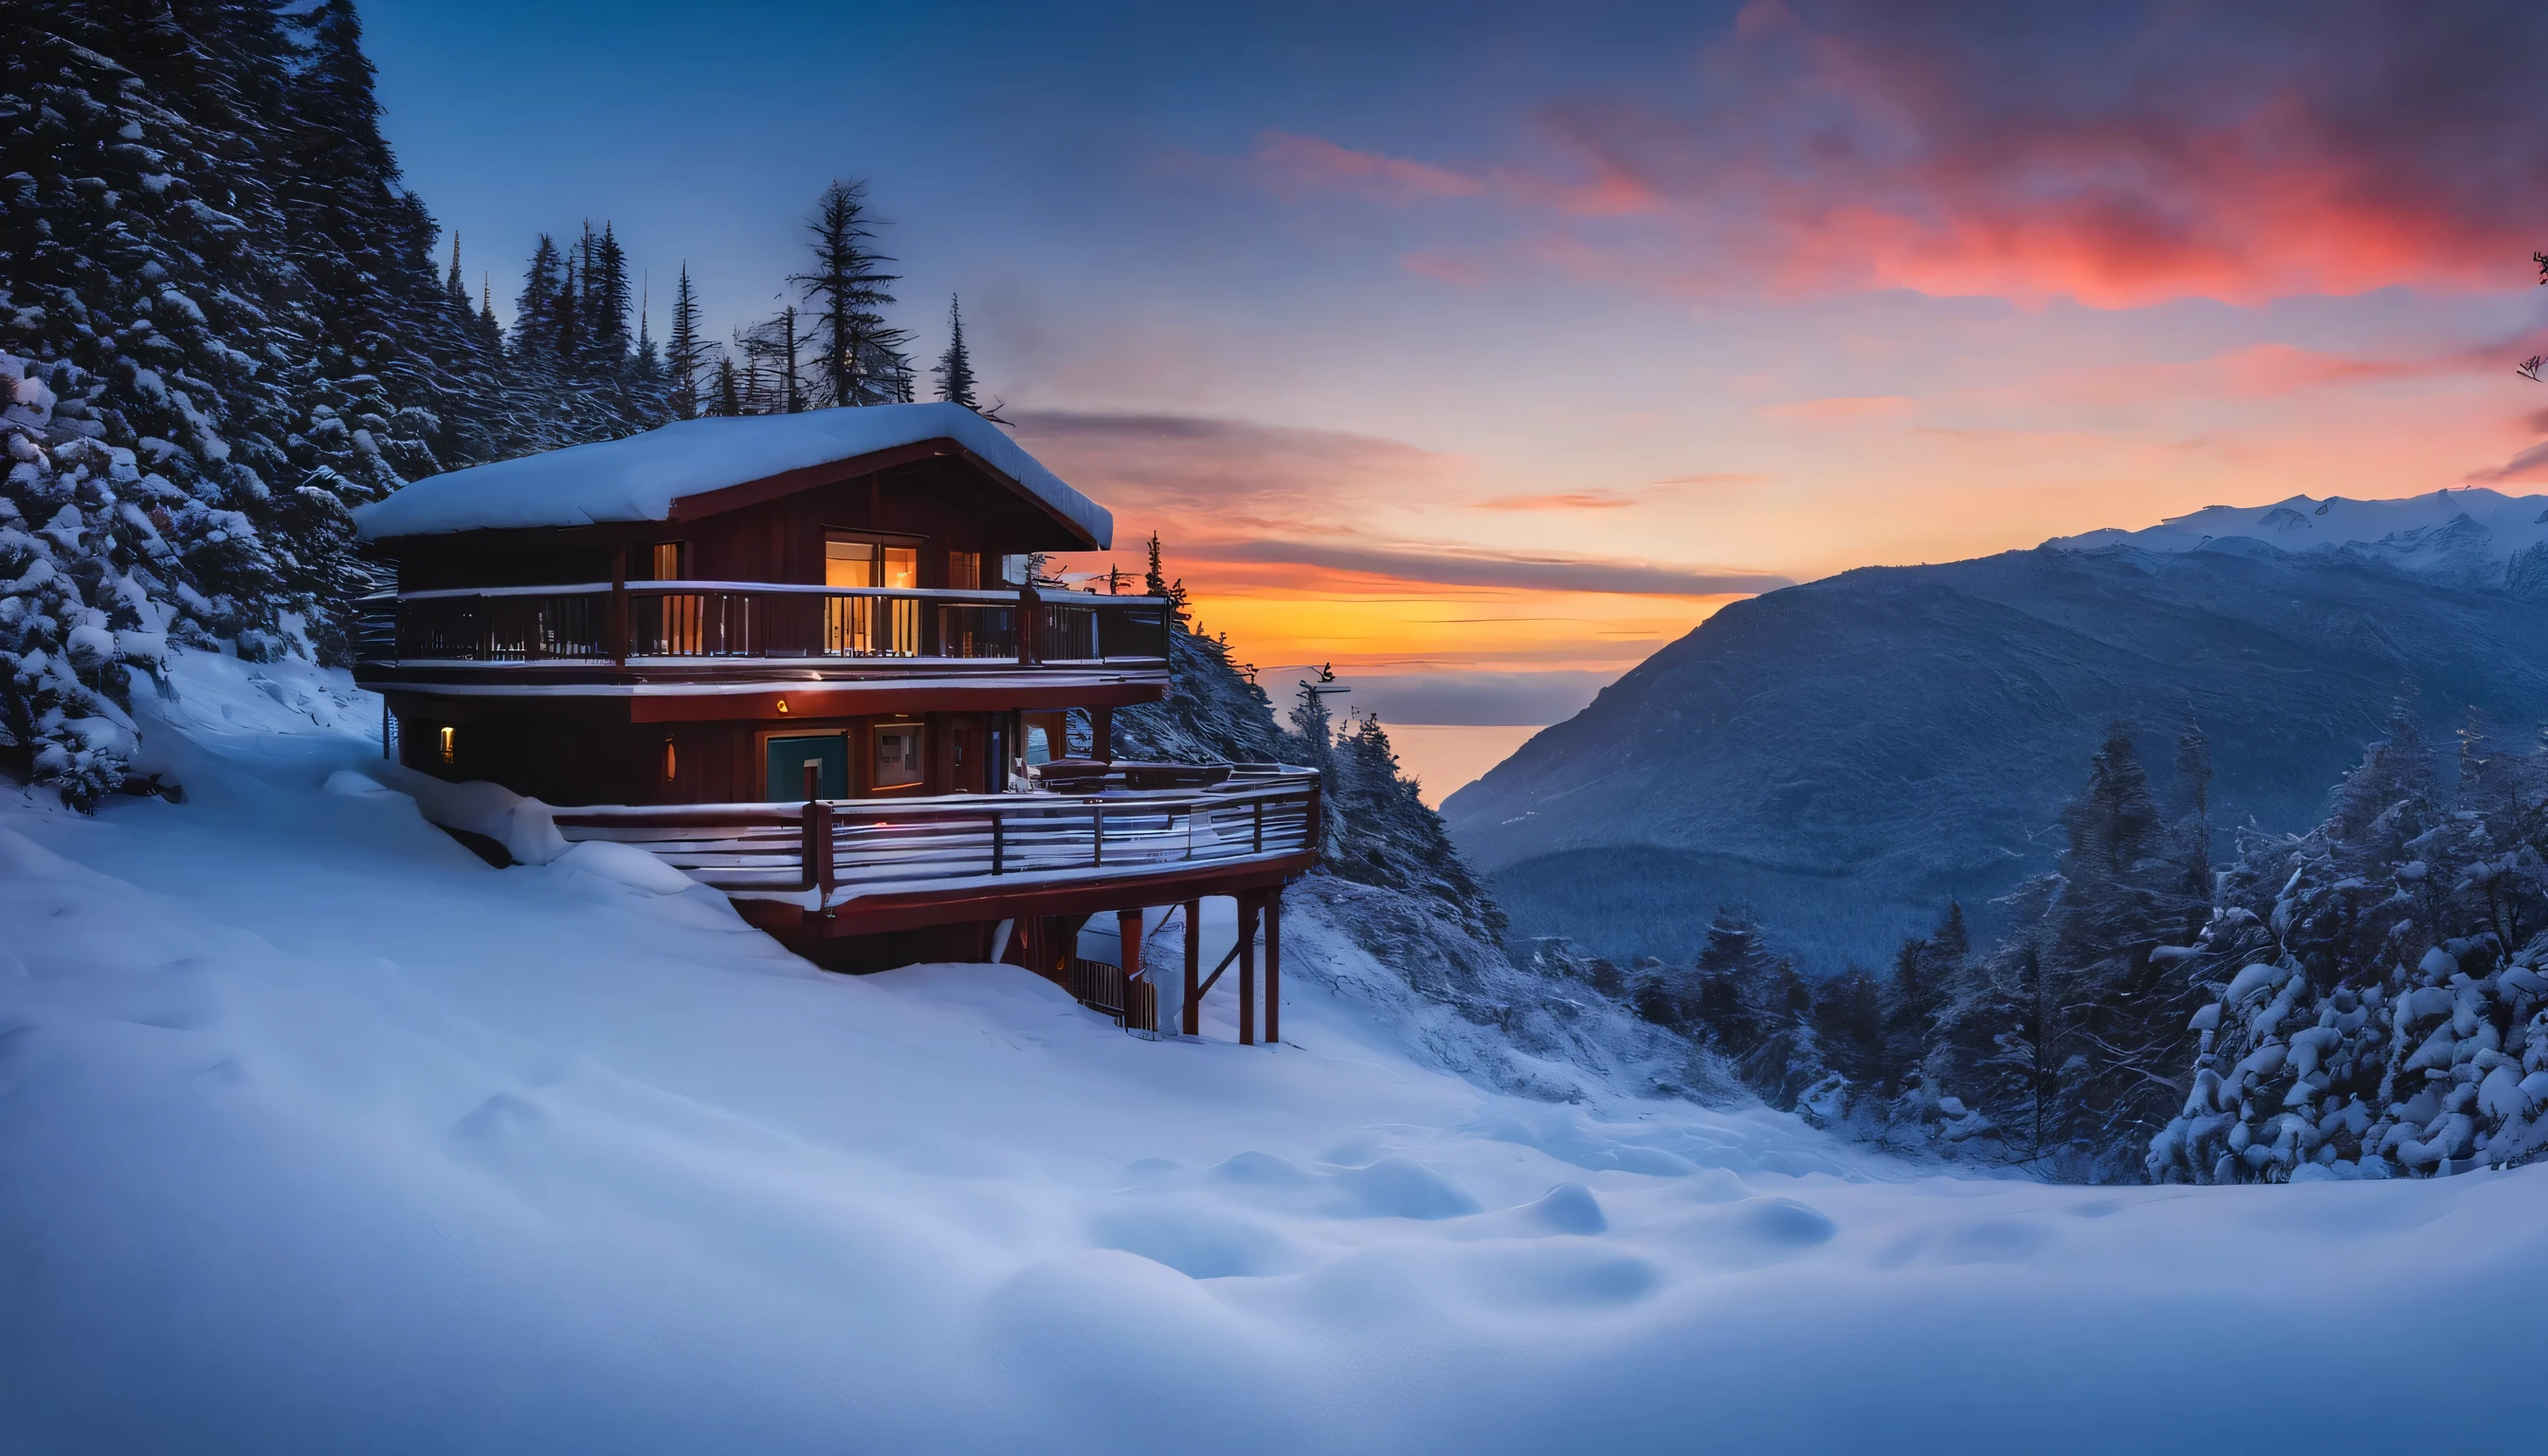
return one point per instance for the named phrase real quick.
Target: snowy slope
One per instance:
(2466, 537)
(321, 1134)
(638, 477)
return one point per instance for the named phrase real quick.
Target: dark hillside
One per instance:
(1844, 756)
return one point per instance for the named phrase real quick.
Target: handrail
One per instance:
(711, 620)
(936, 593)
(887, 845)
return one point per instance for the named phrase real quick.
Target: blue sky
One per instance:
(1465, 344)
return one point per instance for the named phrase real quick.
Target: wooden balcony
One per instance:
(862, 867)
(714, 632)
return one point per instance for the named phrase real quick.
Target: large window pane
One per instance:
(848, 563)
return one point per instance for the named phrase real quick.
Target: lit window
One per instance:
(860, 627)
(668, 560)
(897, 755)
(847, 563)
(672, 766)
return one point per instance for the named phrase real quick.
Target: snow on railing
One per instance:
(842, 849)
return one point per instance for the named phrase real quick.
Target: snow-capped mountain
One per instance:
(1845, 756)
(2468, 537)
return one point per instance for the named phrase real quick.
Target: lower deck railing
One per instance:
(1135, 1004)
(842, 849)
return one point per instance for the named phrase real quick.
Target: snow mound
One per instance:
(625, 864)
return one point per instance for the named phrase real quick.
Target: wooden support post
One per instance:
(619, 607)
(1248, 967)
(1128, 935)
(1274, 965)
(817, 852)
(1101, 735)
(1194, 968)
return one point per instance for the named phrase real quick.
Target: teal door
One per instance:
(789, 757)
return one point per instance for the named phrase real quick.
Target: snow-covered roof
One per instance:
(640, 477)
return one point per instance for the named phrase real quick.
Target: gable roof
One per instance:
(640, 477)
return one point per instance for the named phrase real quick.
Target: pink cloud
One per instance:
(1863, 407)
(1293, 163)
(2120, 157)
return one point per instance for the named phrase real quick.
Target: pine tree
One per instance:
(685, 352)
(1729, 982)
(2193, 770)
(955, 369)
(729, 399)
(860, 357)
(535, 308)
(565, 318)
(1849, 1021)
(604, 317)
(144, 318)
(2122, 897)
(394, 333)
(2376, 990)
(1156, 583)
(229, 319)
(646, 366)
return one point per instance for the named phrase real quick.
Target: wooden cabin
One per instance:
(698, 637)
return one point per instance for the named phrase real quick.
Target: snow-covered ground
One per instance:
(318, 1134)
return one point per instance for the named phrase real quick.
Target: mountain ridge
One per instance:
(1847, 754)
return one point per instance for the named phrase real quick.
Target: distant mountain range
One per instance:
(1845, 756)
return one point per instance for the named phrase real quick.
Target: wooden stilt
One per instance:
(1194, 968)
(1274, 965)
(1248, 967)
(1128, 935)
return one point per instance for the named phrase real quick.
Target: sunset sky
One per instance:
(1484, 351)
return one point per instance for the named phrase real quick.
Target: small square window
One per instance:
(897, 755)
(965, 571)
(668, 560)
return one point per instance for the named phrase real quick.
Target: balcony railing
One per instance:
(842, 849)
(697, 621)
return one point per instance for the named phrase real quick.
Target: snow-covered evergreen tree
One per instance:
(2375, 991)
(85, 576)
(212, 272)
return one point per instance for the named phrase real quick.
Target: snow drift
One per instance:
(321, 1134)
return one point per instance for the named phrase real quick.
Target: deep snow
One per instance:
(321, 1134)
